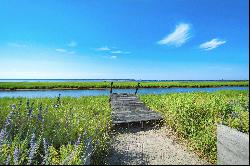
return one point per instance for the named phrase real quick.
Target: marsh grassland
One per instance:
(52, 130)
(101, 85)
(193, 116)
(65, 130)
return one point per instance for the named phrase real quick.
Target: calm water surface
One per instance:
(78, 93)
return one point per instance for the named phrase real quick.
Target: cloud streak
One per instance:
(110, 56)
(61, 50)
(105, 48)
(116, 52)
(120, 52)
(111, 50)
(178, 37)
(113, 57)
(212, 44)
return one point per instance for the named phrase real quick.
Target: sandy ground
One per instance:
(150, 146)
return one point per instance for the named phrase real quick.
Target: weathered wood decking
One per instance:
(127, 108)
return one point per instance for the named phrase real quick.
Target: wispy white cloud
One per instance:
(178, 37)
(17, 45)
(61, 50)
(120, 52)
(116, 52)
(72, 44)
(127, 52)
(212, 44)
(111, 50)
(113, 57)
(110, 56)
(105, 48)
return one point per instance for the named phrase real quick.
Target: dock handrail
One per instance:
(111, 88)
(138, 85)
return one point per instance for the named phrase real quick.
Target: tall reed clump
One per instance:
(194, 116)
(45, 131)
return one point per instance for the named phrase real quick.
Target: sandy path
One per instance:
(149, 147)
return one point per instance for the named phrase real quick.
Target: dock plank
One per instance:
(127, 108)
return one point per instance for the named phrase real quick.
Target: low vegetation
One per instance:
(53, 131)
(66, 130)
(99, 85)
(193, 116)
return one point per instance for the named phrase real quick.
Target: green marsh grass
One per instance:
(193, 116)
(99, 85)
(56, 130)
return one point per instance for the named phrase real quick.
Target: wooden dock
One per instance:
(127, 108)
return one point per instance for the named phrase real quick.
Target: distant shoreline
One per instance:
(136, 80)
(7, 86)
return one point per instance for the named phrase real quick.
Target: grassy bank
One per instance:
(58, 130)
(193, 116)
(52, 131)
(99, 85)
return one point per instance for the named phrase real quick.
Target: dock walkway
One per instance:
(127, 108)
(149, 144)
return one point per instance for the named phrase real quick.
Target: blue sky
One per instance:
(139, 39)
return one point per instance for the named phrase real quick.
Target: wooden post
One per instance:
(111, 88)
(137, 88)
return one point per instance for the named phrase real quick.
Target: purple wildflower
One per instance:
(29, 108)
(40, 118)
(13, 106)
(7, 160)
(4, 130)
(46, 152)
(19, 105)
(2, 135)
(16, 156)
(28, 104)
(58, 101)
(46, 110)
(32, 149)
(19, 108)
(78, 141)
(45, 145)
(8, 119)
(85, 134)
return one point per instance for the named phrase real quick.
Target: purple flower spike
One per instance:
(32, 149)
(16, 156)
